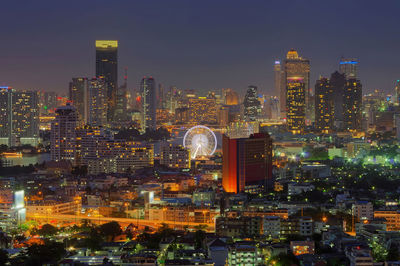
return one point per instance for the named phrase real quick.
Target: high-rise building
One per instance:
(298, 67)
(348, 67)
(397, 93)
(230, 97)
(19, 120)
(121, 107)
(78, 89)
(337, 82)
(175, 156)
(352, 105)
(295, 104)
(107, 68)
(202, 111)
(246, 163)
(63, 134)
(149, 103)
(97, 102)
(324, 106)
(252, 106)
(280, 87)
(5, 115)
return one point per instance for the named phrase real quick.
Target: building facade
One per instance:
(324, 106)
(19, 117)
(352, 105)
(149, 103)
(175, 156)
(247, 163)
(78, 90)
(252, 106)
(107, 68)
(63, 134)
(295, 104)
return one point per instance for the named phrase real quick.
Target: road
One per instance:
(139, 222)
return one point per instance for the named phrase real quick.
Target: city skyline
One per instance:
(222, 46)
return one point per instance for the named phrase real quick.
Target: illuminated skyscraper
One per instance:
(348, 67)
(352, 105)
(63, 134)
(78, 90)
(230, 97)
(5, 115)
(19, 117)
(324, 106)
(252, 106)
(246, 163)
(298, 67)
(202, 111)
(295, 104)
(107, 68)
(97, 102)
(149, 103)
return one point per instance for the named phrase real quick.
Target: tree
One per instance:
(111, 229)
(47, 230)
(51, 251)
(284, 260)
(199, 237)
(94, 240)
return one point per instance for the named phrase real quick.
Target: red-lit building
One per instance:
(247, 163)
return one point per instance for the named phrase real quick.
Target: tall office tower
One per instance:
(297, 67)
(324, 106)
(252, 106)
(352, 105)
(122, 101)
(25, 117)
(274, 108)
(246, 163)
(202, 111)
(63, 134)
(78, 90)
(295, 104)
(397, 93)
(5, 115)
(280, 87)
(230, 97)
(47, 102)
(149, 103)
(19, 117)
(107, 68)
(337, 82)
(97, 102)
(348, 67)
(160, 96)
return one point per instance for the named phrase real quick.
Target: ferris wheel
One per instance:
(200, 140)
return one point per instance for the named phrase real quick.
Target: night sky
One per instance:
(208, 44)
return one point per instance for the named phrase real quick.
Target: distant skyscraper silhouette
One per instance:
(149, 103)
(78, 89)
(337, 82)
(280, 87)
